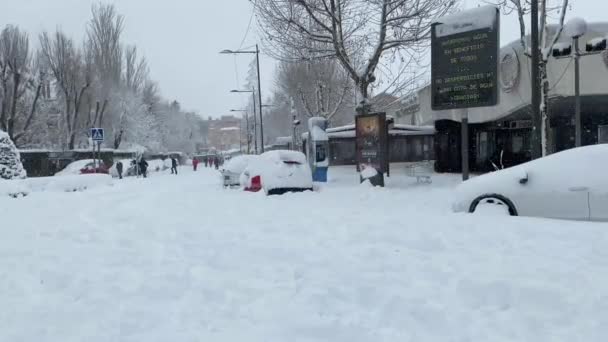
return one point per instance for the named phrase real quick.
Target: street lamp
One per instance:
(257, 59)
(577, 28)
(247, 129)
(255, 121)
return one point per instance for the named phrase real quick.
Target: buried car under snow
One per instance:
(278, 172)
(232, 170)
(572, 184)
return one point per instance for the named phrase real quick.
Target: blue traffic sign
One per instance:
(97, 134)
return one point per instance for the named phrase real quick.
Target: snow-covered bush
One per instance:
(10, 159)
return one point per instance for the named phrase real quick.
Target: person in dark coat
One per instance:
(143, 167)
(119, 169)
(173, 166)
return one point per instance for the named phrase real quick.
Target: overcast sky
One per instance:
(181, 40)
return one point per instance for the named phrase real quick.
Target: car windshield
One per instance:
(303, 170)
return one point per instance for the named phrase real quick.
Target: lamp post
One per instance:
(577, 28)
(255, 121)
(247, 129)
(257, 59)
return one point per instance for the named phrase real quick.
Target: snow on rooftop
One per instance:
(467, 20)
(562, 45)
(232, 128)
(597, 40)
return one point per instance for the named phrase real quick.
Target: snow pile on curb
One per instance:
(66, 183)
(79, 183)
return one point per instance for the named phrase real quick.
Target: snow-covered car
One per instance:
(572, 184)
(278, 172)
(232, 170)
(82, 167)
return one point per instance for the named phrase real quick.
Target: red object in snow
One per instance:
(99, 169)
(195, 164)
(256, 184)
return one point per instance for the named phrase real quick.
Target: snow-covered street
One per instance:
(179, 258)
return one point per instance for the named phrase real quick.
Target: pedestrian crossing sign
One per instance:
(97, 134)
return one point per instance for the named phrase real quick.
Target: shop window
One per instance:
(482, 146)
(417, 148)
(602, 134)
(517, 144)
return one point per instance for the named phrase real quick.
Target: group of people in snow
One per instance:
(141, 165)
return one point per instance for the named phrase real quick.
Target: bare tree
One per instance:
(356, 32)
(18, 82)
(103, 33)
(549, 36)
(318, 88)
(136, 70)
(67, 65)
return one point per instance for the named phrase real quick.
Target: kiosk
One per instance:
(318, 148)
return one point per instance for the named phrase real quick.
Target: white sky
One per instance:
(181, 40)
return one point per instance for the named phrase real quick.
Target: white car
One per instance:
(278, 172)
(572, 184)
(232, 170)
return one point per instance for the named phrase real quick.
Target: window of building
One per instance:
(517, 144)
(417, 148)
(482, 149)
(602, 134)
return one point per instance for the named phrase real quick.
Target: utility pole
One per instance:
(255, 125)
(257, 59)
(577, 95)
(535, 73)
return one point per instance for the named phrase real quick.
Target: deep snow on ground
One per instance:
(178, 258)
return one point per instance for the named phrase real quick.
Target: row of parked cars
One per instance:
(274, 172)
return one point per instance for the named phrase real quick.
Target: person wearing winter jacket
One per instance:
(195, 163)
(143, 167)
(119, 169)
(173, 166)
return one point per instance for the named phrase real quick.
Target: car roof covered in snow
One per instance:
(285, 155)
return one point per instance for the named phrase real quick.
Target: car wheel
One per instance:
(493, 203)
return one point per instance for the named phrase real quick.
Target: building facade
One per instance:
(225, 133)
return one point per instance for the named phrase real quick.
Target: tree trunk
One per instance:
(15, 96)
(546, 141)
(28, 122)
(364, 106)
(118, 139)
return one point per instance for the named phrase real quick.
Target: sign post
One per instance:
(97, 135)
(464, 66)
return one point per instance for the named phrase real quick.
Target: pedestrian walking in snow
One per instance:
(195, 163)
(173, 166)
(206, 160)
(143, 167)
(119, 169)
